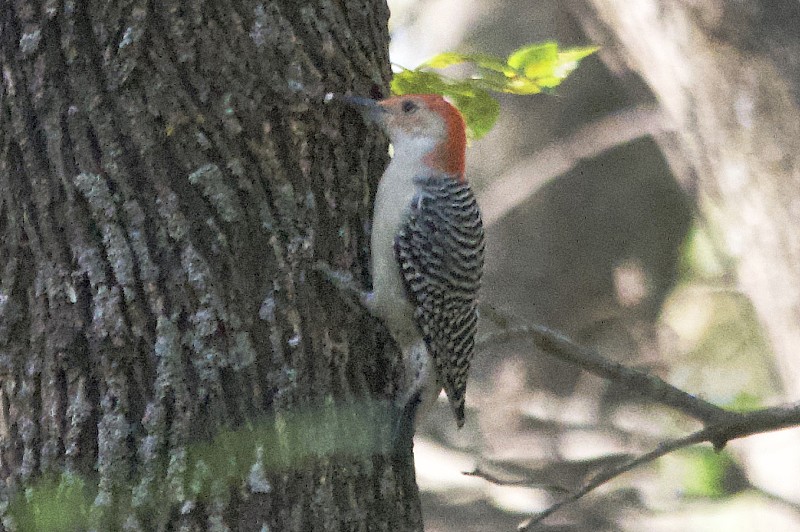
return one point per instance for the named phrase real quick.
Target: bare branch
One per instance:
(746, 424)
(720, 425)
(633, 381)
(478, 472)
(773, 497)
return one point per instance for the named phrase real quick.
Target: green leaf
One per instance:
(568, 60)
(522, 86)
(480, 111)
(544, 66)
(445, 60)
(533, 54)
(417, 82)
(531, 69)
(576, 54)
(493, 64)
(482, 61)
(490, 80)
(536, 60)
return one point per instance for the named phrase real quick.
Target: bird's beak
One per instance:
(371, 109)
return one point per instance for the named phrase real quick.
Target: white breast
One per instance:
(392, 200)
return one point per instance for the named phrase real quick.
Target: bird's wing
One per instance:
(440, 253)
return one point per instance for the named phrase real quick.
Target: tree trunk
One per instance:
(726, 74)
(168, 360)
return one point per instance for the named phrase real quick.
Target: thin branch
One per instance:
(746, 424)
(720, 425)
(478, 472)
(605, 476)
(633, 381)
(777, 499)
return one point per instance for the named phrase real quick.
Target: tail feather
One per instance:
(457, 406)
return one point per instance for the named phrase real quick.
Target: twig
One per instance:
(478, 472)
(720, 425)
(633, 381)
(747, 424)
(773, 497)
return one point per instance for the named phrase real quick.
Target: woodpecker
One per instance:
(427, 247)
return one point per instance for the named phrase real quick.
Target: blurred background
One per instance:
(590, 233)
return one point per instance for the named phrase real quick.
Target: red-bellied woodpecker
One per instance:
(427, 247)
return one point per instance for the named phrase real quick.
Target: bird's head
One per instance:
(420, 125)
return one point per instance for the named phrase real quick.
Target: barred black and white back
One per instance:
(440, 253)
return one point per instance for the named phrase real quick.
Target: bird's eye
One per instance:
(409, 107)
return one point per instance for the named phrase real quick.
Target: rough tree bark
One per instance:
(726, 74)
(168, 175)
